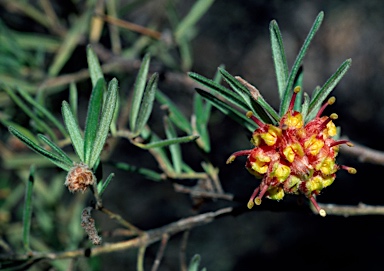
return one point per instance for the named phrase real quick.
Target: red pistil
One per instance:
(340, 142)
(237, 154)
(292, 103)
(260, 196)
(250, 115)
(329, 102)
(350, 170)
(323, 125)
(252, 198)
(317, 207)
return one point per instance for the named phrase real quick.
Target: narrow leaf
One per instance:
(197, 11)
(93, 116)
(138, 91)
(73, 98)
(220, 90)
(279, 58)
(41, 126)
(27, 215)
(73, 130)
(201, 121)
(228, 110)
(195, 262)
(327, 88)
(95, 71)
(45, 113)
(167, 142)
(147, 173)
(299, 83)
(175, 114)
(55, 148)
(146, 104)
(258, 105)
(57, 160)
(289, 87)
(101, 186)
(305, 106)
(174, 148)
(105, 121)
(69, 43)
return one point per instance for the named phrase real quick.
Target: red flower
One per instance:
(293, 158)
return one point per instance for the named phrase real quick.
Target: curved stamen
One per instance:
(330, 101)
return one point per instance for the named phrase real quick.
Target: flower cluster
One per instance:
(294, 158)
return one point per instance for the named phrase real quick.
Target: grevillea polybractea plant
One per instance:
(294, 151)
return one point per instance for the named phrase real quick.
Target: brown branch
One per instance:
(365, 154)
(183, 248)
(160, 252)
(147, 238)
(131, 26)
(348, 210)
(201, 193)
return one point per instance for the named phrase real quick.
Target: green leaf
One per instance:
(202, 122)
(95, 71)
(174, 148)
(146, 104)
(27, 215)
(305, 106)
(55, 148)
(147, 173)
(41, 126)
(279, 58)
(73, 130)
(289, 87)
(175, 114)
(101, 186)
(220, 90)
(138, 91)
(92, 121)
(299, 83)
(167, 142)
(197, 11)
(105, 121)
(57, 160)
(45, 113)
(70, 42)
(73, 98)
(195, 262)
(327, 88)
(228, 110)
(258, 105)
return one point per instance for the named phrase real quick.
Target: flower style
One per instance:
(294, 157)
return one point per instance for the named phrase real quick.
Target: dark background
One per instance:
(235, 33)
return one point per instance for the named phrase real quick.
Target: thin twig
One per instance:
(203, 194)
(348, 210)
(183, 248)
(140, 258)
(131, 26)
(147, 238)
(364, 154)
(120, 220)
(160, 252)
